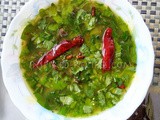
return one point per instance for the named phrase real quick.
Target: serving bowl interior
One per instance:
(24, 100)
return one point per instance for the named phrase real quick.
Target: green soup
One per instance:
(78, 87)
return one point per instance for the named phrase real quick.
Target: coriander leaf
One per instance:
(99, 64)
(81, 13)
(116, 91)
(66, 100)
(42, 12)
(52, 11)
(48, 44)
(53, 27)
(64, 64)
(109, 95)
(58, 19)
(85, 50)
(101, 98)
(87, 109)
(86, 17)
(91, 23)
(66, 11)
(56, 84)
(107, 81)
(89, 91)
(76, 88)
(97, 55)
(42, 24)
(77, 70)
(94, 38)
(78, 2)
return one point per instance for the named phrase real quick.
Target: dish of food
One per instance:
(64, 63)
(77, 60)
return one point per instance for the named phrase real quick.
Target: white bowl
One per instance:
(23, 99)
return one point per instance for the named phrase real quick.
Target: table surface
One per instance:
(150, 11)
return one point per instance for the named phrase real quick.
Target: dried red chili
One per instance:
(107, 50)
(122, 86)
(58, 50)
(93, 11)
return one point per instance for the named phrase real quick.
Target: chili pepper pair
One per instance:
(107, 50)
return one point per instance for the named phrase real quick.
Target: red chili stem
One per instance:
(58, 50)
(108, 50)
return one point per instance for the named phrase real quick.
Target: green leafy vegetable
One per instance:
(87, 109)
(67, 100)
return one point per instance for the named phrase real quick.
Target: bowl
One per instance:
(22, 97)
